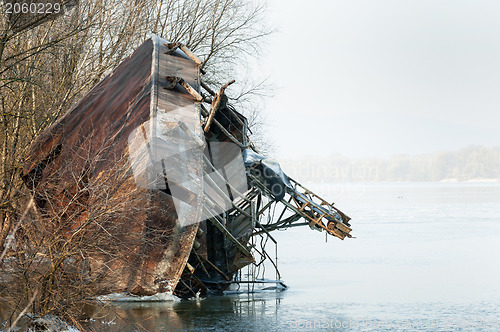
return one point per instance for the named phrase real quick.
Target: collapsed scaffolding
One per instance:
(242, 224)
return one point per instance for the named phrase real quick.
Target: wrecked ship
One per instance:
(169, 163)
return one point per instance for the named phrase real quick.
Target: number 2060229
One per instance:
(32, 8)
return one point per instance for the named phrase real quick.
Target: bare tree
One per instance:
(225, 35)
(46, 65)
(46, 68)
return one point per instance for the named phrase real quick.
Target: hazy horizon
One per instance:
(377, 79)
(474, 163)
(388, 157)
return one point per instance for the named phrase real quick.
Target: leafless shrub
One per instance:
(45, 67)
(75, 235)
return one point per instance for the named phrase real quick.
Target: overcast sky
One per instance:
(383, 77)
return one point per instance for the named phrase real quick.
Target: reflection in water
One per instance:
(238, 312)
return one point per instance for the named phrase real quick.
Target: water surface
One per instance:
(425, 258)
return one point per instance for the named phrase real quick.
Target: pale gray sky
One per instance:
(383, 77)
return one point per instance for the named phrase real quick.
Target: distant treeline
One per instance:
(472, 163)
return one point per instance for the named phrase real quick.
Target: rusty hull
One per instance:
(147, 249)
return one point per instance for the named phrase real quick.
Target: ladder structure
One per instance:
(304, 204)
